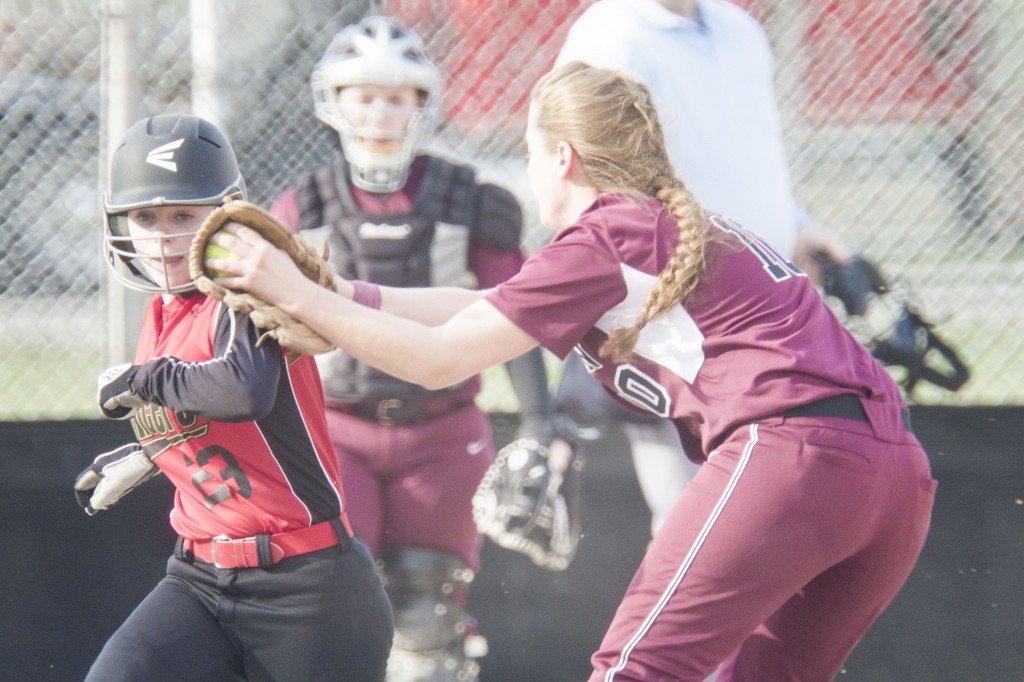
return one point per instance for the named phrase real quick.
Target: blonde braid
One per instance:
(682, 273)
(680, 276)
(611, 122)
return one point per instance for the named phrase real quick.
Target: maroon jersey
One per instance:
(238, 428)
(755, 340)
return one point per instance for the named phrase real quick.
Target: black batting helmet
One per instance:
(170, 159)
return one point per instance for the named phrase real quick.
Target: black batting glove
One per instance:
(115, 395)
(111, 476)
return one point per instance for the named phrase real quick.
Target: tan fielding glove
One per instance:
(289, 332)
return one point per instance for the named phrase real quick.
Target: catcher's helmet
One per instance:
(380, 52)
(165, 160)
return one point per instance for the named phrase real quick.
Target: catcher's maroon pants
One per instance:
(791, 540)
(411, 485)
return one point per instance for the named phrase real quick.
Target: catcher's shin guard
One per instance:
(434, 636)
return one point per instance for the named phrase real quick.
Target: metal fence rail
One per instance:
(902, 121)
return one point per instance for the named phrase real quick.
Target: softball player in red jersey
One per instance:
(266, 582)
(813, 499)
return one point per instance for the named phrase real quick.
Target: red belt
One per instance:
(245, 552)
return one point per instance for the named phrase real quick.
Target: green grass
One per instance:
(42, 382)
(46, 381)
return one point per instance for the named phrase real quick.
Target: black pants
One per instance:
(317, 616)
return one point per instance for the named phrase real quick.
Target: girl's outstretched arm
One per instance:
(434, 337)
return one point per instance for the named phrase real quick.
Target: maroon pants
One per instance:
(410, 486)
(791, 540)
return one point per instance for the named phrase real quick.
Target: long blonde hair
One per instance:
(610, 120)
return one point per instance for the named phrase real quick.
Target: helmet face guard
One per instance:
(377, 52)
(155, 262)
(167, 160)
(380, 157)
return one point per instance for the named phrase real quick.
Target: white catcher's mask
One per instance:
(377, 51)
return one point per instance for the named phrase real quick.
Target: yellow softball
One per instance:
(217, 251)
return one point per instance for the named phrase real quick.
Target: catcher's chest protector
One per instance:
(393, 250)
(426, 246)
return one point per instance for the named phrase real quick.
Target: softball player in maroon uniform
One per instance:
(266, 582)
(813, 499)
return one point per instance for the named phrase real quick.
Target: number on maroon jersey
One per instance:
(634, 386)
(642, 390)
(775, 265)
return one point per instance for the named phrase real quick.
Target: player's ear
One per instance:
(567, 158)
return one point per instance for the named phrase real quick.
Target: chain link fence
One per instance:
(903, 122)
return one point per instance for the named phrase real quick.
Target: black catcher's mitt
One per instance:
(524, 505)
(881, 314)
(289, 332)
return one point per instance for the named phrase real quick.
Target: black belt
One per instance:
(845, 406)
(396, 412)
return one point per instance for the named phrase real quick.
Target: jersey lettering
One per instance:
(229, 472)
(779, 268)
(157, 434)
(590, 362)
(642, 390)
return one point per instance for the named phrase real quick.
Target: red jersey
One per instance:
(238, 429)
(755, 340)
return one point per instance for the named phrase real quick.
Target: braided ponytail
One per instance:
(680, 276)
(611, 122)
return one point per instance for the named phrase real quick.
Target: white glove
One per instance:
(111, 476)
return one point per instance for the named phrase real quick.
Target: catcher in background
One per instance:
(266, 582)
(395, 215)
(813, 498)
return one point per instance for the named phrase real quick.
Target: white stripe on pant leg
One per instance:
(688, 560)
